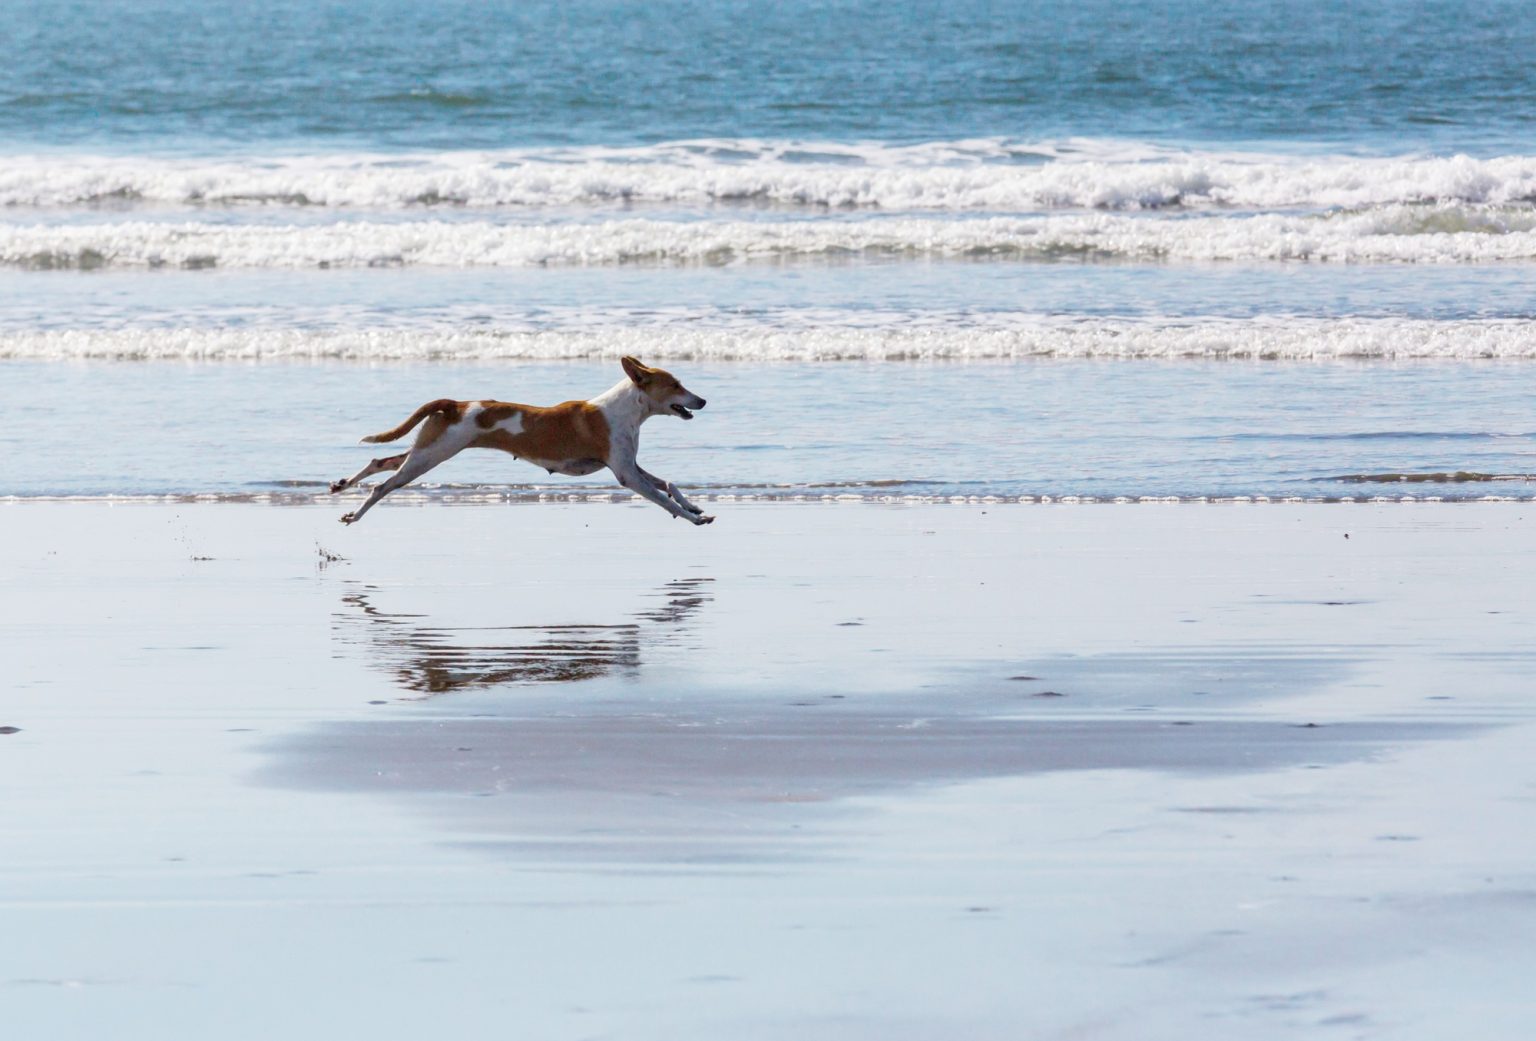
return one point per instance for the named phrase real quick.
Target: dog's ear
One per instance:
(635, 371)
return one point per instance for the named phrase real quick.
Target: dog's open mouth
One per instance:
(680, 410)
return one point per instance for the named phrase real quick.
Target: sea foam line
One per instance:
(518, 495)
(998, 338)
(993, 175)
(1391, 234)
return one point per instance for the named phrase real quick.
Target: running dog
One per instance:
(575, 438)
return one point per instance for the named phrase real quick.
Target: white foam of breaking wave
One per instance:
(993, 175)
(957, 338)
(1407, 234)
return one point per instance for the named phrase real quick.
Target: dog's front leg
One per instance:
(642, 484)
(671, 490)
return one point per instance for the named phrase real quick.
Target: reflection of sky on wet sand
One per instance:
(653, 772)
(740, 781)
(835, 661)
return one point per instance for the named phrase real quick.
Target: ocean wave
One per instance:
(992, 175)
(988, 338)
(1391, 234)
(1433, 477)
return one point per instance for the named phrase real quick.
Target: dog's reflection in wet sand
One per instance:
(428, 660)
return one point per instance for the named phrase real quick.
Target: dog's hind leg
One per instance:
(416, 464)
(437, 443)
(376, 467)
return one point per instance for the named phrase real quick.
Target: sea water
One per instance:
(1011, 251)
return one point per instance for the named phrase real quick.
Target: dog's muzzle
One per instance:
(686, 410)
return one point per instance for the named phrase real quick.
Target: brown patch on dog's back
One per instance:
(569, 431)
(494, 412)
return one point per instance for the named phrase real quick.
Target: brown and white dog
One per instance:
(575, 438)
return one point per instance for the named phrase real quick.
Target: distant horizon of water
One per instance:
(1265, 246)
(173, 77)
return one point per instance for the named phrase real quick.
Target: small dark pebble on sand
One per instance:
(1047, 694)
(378, 703)
(1023, 677)
(10, 730)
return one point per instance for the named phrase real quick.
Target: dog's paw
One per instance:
(337, 486)
(348, 518)
(702, 518)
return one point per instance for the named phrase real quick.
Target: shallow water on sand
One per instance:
(1186, 429)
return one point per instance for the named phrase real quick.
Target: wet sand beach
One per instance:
(820, 771)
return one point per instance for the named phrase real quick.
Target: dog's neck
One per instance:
(624, 406)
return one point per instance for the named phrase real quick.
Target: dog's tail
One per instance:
(446, 405)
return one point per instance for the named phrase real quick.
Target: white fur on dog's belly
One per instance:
(570, 467)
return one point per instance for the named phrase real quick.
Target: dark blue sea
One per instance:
(999, 251)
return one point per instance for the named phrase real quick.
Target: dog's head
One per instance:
(661, 389)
